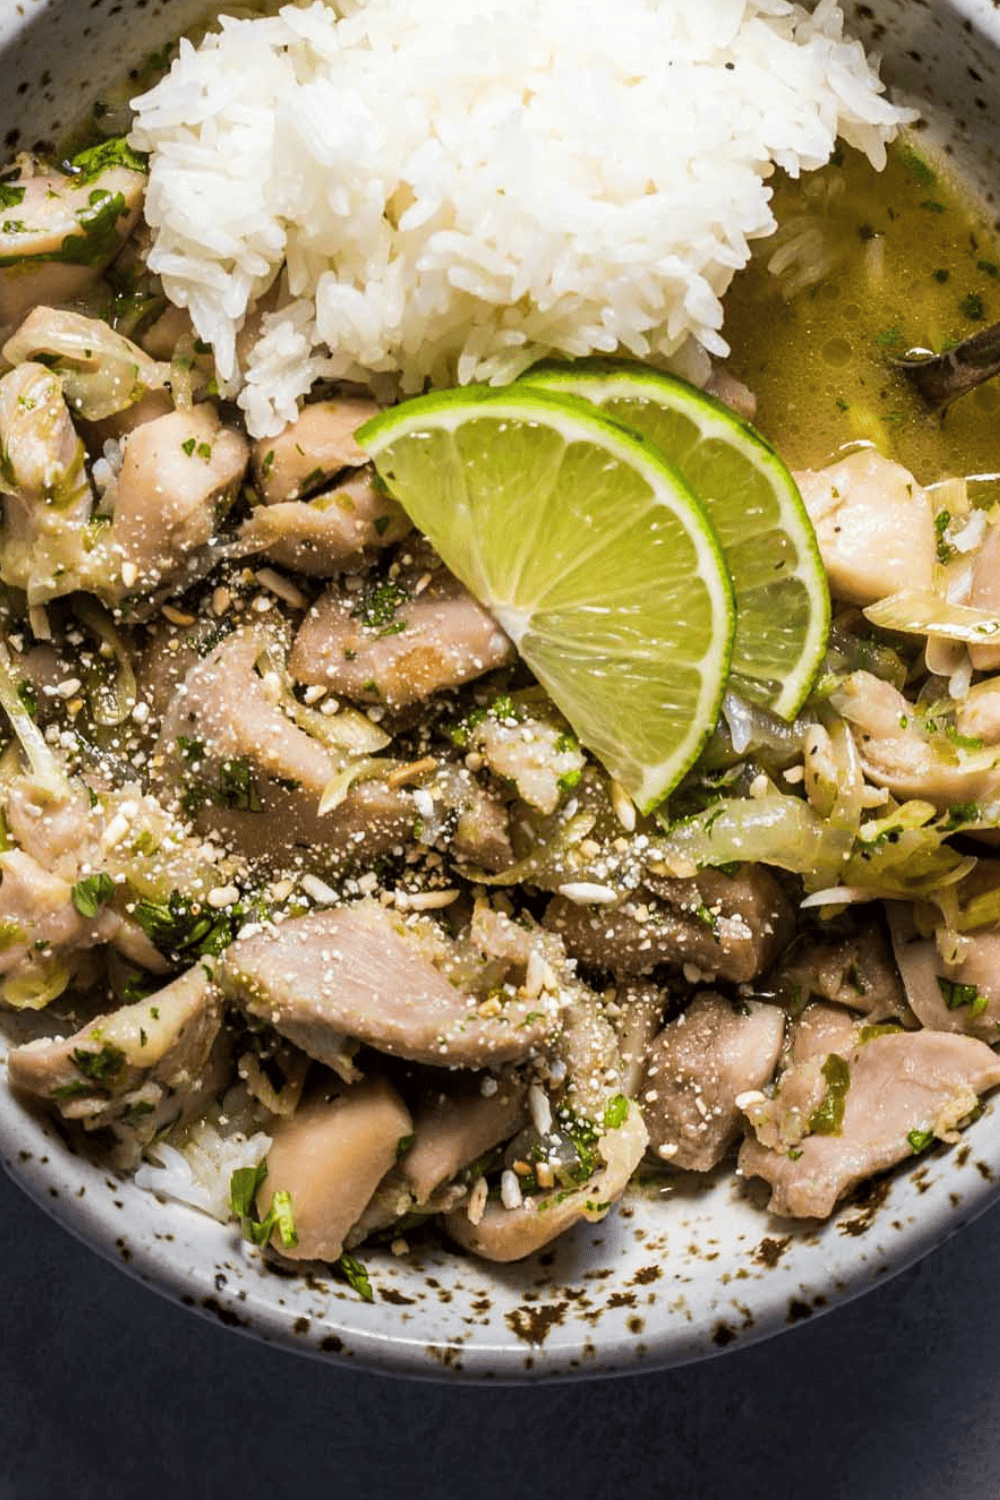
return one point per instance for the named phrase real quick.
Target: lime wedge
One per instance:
(782, 599)
(591, 552)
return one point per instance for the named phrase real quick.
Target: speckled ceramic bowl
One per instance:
(694, 1270)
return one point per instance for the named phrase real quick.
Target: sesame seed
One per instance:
(317, 890)
(510, 1190)
(223, 895)
(282, 587)
(587, 893)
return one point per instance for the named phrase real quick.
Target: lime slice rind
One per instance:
(755, 507)
(553, 551)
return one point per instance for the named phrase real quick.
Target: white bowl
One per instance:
(665, 1279)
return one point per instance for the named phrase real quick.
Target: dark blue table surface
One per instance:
(109, 1392)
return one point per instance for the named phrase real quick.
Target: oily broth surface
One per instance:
(916, 265)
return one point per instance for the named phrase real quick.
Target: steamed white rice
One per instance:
(456, 188)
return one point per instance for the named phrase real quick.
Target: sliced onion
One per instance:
(924, 612)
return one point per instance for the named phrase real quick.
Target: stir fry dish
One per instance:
(452, 767)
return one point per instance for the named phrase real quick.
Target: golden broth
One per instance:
(911, 264)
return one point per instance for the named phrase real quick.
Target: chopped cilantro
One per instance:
(11, 194)
(100, 1067)
(828, 1116)
(88, 165)
(91, 893)
(188, 446)
(956, 995)
(615, 1112)
(356, 1276)
(919, 1140)
(972, 307)
(243, 1188)
(236, 786)
(378, 605)
(183, 929)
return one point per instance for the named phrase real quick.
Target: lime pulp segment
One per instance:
(591, 552)
(782, 598)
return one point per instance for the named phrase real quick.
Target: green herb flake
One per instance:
(356, 1276)
(243, 1188)
(237, 788)
(11, 194)
(101, 1067)
(88, 165)
(91, 893)
(29, 698)
(919, 1140)
(828, 1116)
(615, 1112)
(403, 1145)
(378, 605)
(188, 445)
(971, 307)
(956, 995)
(184, 930)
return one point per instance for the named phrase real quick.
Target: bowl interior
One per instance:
(670, 1277)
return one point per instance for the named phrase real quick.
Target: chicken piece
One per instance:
(63, 836)
(731, 927)
(41, 928)
(857, 971)
(822, 1028)
(962, 996)
(977, 717)
(984, 593)
(507, 1234)
(696, 1069)
(59, 233)
(358, 972)
(896, 753)
(541, 757)
(102, 373)
(179, 475)
(171, 328)
(224, 718)
(137, 1070)
(874, 524)
(329, 1158)
(453, 1129)
(894, 1090)
(333, 533)
(398, 645)
(460, 817)
(47, 496)
(248, 775)
(312, 449)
